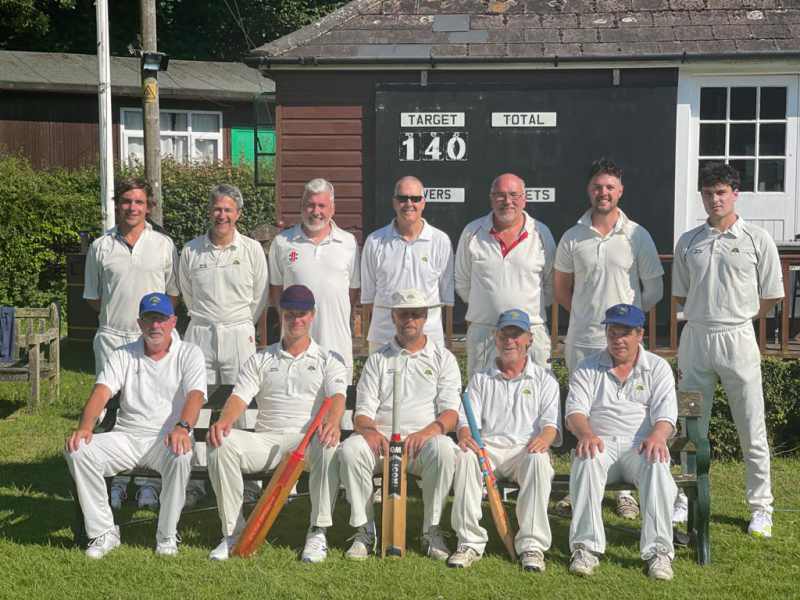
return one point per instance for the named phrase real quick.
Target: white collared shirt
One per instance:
(491, 284)
(607, 270)
(430, 383)
(390, 263)
(289, 390)
(330, 270)
(510, 412)
(153, 392)
(224, 284)
(119, 276)
(723, 275)
(626, 410)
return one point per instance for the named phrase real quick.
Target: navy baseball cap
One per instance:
(515, 318)
(156, 302)
(624, 314)
(297, 297)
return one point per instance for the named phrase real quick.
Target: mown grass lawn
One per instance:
(37, 558)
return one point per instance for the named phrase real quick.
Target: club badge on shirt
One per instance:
(293, 256)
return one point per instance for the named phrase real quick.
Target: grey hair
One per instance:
(224, 190)
(318, 186)
(497, 179)
(408, 178)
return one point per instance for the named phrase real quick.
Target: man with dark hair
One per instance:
(725, 273)
(125, 263)
(603, 260)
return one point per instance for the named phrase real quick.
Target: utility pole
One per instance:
(152, 137)
(104, 114)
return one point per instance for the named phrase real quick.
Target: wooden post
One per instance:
(448, 327)
(150, 109)
(33, 369)
(673, 324)
(651, 330)
(787, 306)
(553, 327)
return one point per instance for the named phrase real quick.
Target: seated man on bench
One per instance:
(163, 385)
(622, 408)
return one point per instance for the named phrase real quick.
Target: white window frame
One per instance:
(125, 133)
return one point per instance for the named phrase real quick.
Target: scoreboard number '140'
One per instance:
(433, 146)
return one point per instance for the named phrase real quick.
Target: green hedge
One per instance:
(44, 211)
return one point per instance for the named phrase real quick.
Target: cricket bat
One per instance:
(495, 503)
(274, 496)
(393, 517)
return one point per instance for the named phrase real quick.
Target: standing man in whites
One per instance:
(223, 279)
(505, 260)
(727, 272)
(318, 254)
(407, 253)
(122, 265)
(603, 260)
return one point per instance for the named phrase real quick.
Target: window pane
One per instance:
(747, 173)
(132, 119)
(743, 140)
(743, 103)
(770, 175)
(176, 146)
(205, 150)
(135, 149)
(712, 103)
(773, 140)
(773, 103)
(712, 139)
(171, 121)
(205, 123)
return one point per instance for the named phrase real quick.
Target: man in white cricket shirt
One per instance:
(429, 387)
(516, 407)
(603, 260)
(408, 253)
(122, 265)
(622, 407)
(505, 260)
(726, 273)
(318, 254)
(289, 379)
(162, 381)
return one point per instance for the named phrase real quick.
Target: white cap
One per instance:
(410, 298)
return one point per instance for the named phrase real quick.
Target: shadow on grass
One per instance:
(9, 406)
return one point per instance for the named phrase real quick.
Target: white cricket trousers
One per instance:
(532, 472)
(115, 451)
(731, 354)
(249, 452)
(435, 464)
(620, 461)
(481, 350)
(226, 347)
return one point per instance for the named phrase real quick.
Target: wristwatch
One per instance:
(185, 425)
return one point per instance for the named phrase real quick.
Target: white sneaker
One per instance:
(146, 497)
(364, 543)
(167, 546)
(680, 510)
(760, 524)
(102, 545)
(316, 548)
(117, 497)
(532, 560)
(660, 567)
(583, 562)
(627, 507)
(222, 551)
(437, 547)
(463, 557)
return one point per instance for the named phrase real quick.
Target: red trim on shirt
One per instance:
(504, 249)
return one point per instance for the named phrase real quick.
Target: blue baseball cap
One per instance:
(156, 302)
(515, 318)
(624, 314)
(297, 297)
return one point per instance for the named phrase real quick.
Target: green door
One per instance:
(242, 148)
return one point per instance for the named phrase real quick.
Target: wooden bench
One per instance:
(36, 357)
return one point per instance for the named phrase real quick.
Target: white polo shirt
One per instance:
(153, 392)
(289, 390)
(119, 275)
(626, 410)
(607, 270)
(723, 275)
(390, 263)
(329, 269)
(430, 383)
(224, 284)
(510, 412)
(491, 284)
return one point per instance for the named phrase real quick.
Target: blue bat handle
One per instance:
(473, 426)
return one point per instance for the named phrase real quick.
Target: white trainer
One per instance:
(364, 543)
(583, 562)
(146, 497)
(627, 507)
(760, 524)
(117, 497)
(436, 546)
(532, 560)
(659, 567)
(223, 550)
(463, 557)
(167, 546)
(103, 544)
(316, 548)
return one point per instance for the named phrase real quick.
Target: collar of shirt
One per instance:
(528, 372)
(527, 229)
(237, 239)
(278, 352)
(425, 351)
(735, 230)
(621, 226)
(426, 233)
(117, 234)
(642, 362)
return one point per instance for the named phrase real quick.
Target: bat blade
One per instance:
(393, 517)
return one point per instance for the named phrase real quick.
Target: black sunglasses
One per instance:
(414, 199)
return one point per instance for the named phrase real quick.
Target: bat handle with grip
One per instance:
(483, 459)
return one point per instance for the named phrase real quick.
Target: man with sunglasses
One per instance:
(407, 253)
(505, 260)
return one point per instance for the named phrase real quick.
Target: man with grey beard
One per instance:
(318, 254)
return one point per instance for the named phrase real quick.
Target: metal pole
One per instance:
(152, 140)
(104, 114)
